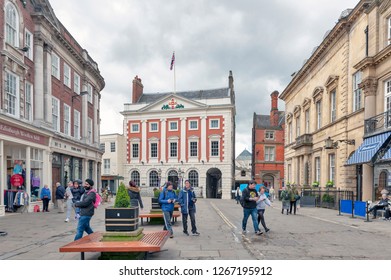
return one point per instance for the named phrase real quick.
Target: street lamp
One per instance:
(159, 174)
(180, 173)
(330, 144)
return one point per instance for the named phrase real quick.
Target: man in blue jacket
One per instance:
(187, 199)
(167, 199)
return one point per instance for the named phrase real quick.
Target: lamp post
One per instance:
(159, 174)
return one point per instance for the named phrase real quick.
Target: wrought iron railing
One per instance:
(303, 140)
(324, 198)
(379, 123)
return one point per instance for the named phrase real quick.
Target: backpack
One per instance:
(98, 198)
(36, 208)
(242, 201)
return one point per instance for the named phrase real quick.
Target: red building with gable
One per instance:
(268, 146)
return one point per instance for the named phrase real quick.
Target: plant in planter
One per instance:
(328, 200)
(330, 184)
(315, 184)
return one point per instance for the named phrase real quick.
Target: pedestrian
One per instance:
(261, 206)
(60, 195)
(238, 194)
(272, 194)
(77, 192)
(45, 197)
(69, 200)
(293, 197)
(167, 199)
(250, 197)
(135, 196)
(187, 200)
(285, 199)
(86, 205)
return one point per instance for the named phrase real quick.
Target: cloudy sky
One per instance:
(262, 41)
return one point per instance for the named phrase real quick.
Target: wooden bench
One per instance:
(148, 216)
(150, 242)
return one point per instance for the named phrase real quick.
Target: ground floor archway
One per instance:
(213, 183)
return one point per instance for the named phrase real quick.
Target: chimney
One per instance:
(230, 80)
(274, 108)
(137, 89)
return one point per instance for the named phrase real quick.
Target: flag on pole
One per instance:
(172, 60)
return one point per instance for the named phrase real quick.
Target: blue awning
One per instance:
(387, 155)
(257, 186)
(368, 149)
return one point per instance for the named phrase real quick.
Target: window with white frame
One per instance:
(153, 150)
(289, 172)
(290, 132)
(270, 153)
(389, 31)
(214, 124)
(332, 167)
(89, 131)
(102, 147)
(135, 150)
(193, 125)
(135, 127)
(173, 149)
(269, 135)
(135, 177)
(193, 149)
(56, 114)
(106, 166)
(319, 114)
(298, 126)
(29, 43)
(55, 66)
(11, 25)
(153, 179)
(333, 105)
(12, 94)
(317, 169)
(90, 92)
(153, 127)
(357, 93)
(76, 125)
(67, 120)
(387, 102)
(173, 126)
(193, 178)
(67, 75)
(214, 148)
(307, 121)
(112, 147)
(76, 83)
(28, 101)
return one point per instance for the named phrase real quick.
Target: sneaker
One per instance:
(259, 233)
(67, 220)
(267, 230)
(195, 233)
(171, 236)
(186, 233)
(244, 231)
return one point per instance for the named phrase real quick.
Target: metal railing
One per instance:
(379, 123)
(303, 140)
(324, 198)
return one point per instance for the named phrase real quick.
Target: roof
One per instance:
(245, 155)
(199, 94)
(263, 121)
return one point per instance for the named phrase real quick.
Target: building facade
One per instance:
(49, 104)
(182, 135)
(113, 160)
(337, 106)
(268, 146)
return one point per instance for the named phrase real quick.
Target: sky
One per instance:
(262, 42)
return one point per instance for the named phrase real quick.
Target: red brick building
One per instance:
(268, 146)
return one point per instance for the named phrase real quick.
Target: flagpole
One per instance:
(174, 78)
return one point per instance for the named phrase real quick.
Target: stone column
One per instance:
(163, 124)
(96, 120)
(183, 140)
(48, 83)
(3, 170)
(84, 112)
(144, 140)
(203, 138)
(28, 170)
(38, 79)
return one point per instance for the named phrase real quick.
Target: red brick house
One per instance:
(268, 146)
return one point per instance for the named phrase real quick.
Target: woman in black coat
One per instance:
(134, 194)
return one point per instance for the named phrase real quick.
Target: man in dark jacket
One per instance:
(167, 199)
(60, 194)
(77, 192)
(250, 197)
(86, 206)
(187, 199)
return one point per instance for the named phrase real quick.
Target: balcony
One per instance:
(302, 141)
(377, 124)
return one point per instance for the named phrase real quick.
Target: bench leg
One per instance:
(142, 221)
(82, 256)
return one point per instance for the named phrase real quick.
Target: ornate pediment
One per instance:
(306, 103)
(384, 6)
(332, 82)
(317, 94)
(297, 110)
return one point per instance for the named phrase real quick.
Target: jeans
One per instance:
(69, 208)
(83, 226)
(45, 203)
(292, 205)
(192, 220)
(167, 215)
(261, 218)
(246, 213)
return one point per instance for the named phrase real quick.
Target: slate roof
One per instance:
(263, 121)
(195, 95)
(245, 155)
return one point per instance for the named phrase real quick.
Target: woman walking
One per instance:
(69, 202)
(135, 196)
(261, 206)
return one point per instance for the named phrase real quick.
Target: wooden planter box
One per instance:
(155, 203)
(121, 219)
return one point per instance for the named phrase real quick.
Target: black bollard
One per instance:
(353, 210)
(367, 220)
(339, 208)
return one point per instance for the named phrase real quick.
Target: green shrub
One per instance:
(122, 200)
(328, 198)
(156, 193)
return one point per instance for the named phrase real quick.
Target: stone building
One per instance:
(49, 104)
(182, 135)
(338, 103)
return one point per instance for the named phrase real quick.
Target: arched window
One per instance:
(11, 25)
(135, 177)
(193, 178)
(153, 179)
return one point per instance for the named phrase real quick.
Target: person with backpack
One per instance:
(187, 200)
(135, 196)
(86, 205)
(249, 204)
(285, 198)
(167, 200)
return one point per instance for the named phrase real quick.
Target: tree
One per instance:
(122, 200)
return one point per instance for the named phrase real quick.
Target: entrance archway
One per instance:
(213, 183)
(268, 180)
(173, 178)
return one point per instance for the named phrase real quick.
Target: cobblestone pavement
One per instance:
(314, 233)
